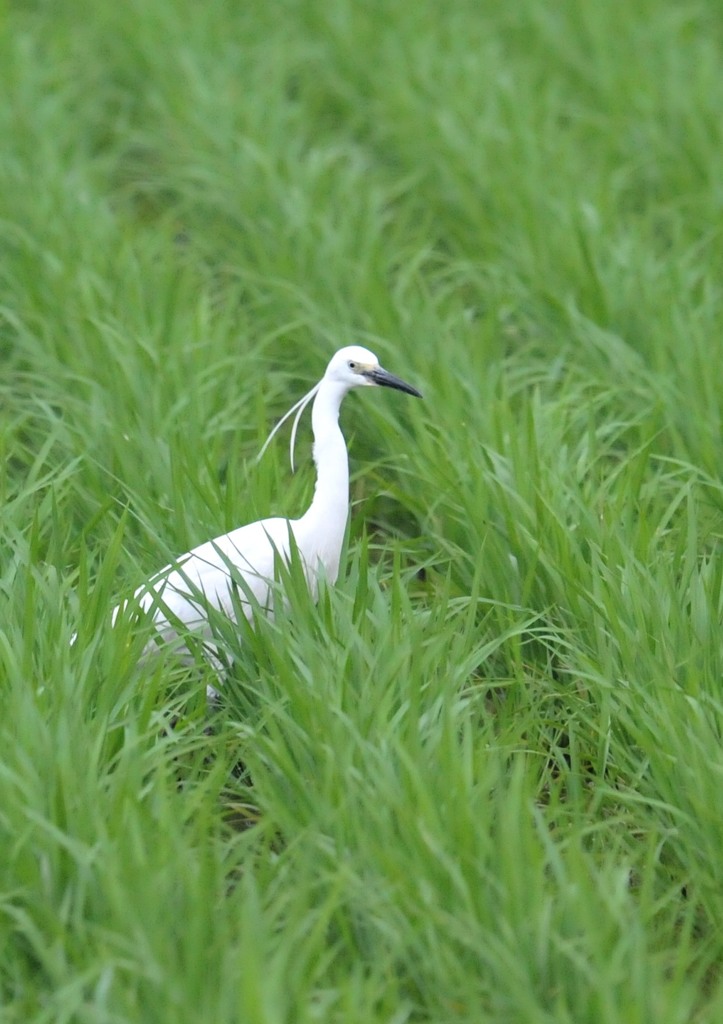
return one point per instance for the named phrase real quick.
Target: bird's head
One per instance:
(350, 367)
(356, 367)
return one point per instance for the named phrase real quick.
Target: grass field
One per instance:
(482, 780)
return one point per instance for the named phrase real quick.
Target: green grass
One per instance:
(482, 779)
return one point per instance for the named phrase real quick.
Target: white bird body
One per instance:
(181, 592)
(209, 574)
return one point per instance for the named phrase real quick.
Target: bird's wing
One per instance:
(242, 560)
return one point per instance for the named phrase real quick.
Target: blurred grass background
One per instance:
(482, 780)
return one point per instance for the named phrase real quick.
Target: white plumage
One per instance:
(208, 575)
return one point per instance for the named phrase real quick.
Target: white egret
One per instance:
(209, 575)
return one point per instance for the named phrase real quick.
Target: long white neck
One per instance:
(329, 508)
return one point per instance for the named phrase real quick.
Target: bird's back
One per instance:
(207, 576)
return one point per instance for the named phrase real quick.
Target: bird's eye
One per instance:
(351, 364)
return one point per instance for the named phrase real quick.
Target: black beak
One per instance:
(388, 380)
